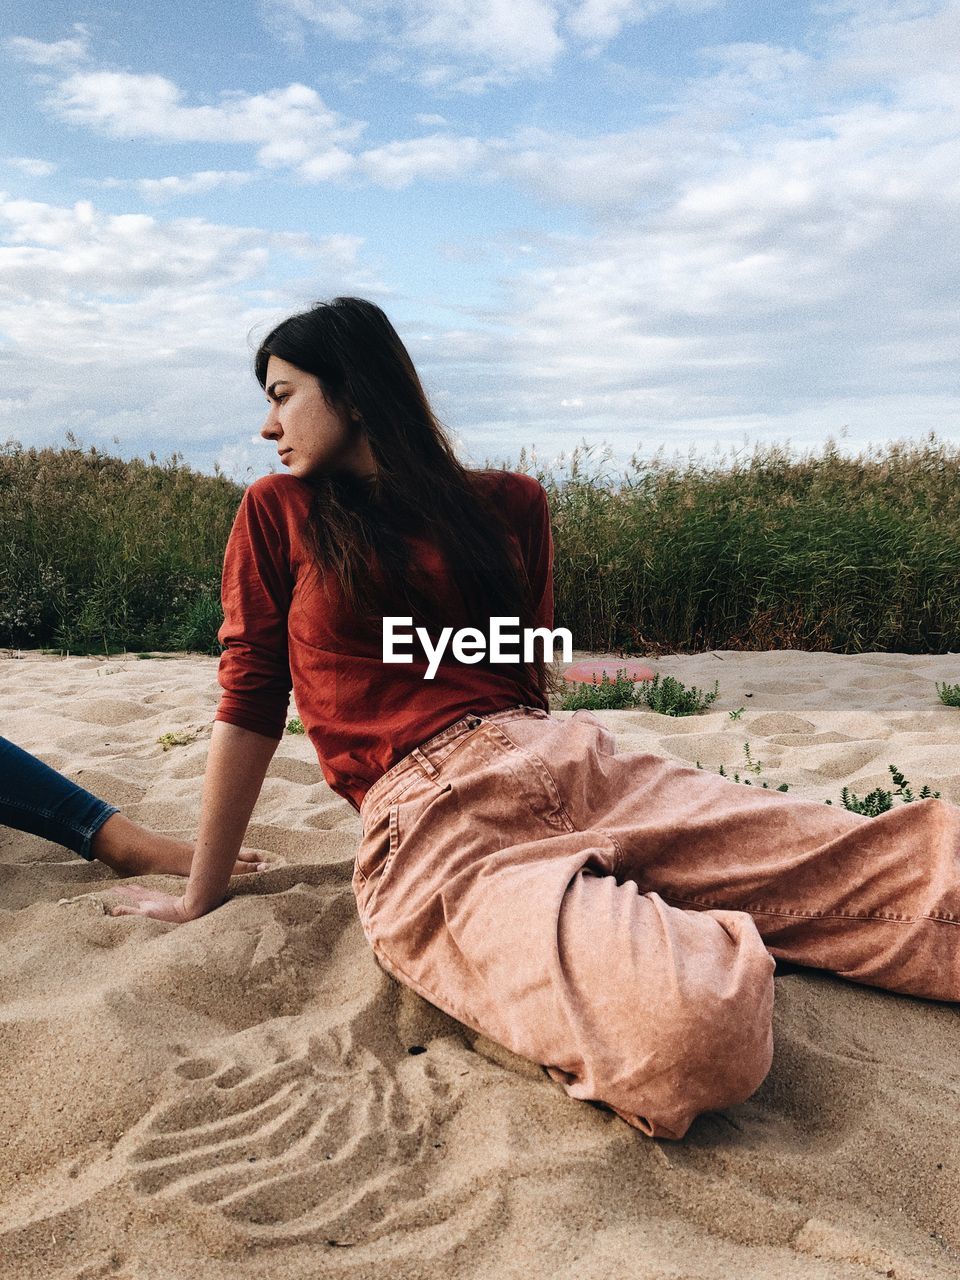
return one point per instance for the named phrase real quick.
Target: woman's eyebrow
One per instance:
(280, 382)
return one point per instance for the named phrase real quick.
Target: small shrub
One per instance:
(949, 694)
(879, 801)
(871, 806)
(663, 694)
(609, 695)
(295, 725)
(671, 698)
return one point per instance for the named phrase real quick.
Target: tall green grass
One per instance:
(97, 553)
(769, 551)
(756, 552)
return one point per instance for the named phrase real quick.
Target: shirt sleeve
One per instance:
(257, 587)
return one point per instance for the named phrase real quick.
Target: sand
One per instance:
(238, 1097)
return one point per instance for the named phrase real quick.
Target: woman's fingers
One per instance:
(248, 860)
(129, 897)
(135, 900)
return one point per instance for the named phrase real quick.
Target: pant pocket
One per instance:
(526, 781)
(380, 845)
(410, 811)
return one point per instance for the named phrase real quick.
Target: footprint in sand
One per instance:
(113, 788)
(108, 1266)
(332, 816)
(105, 711)
(780, 722)
(290, 769)
(840, 762)
(326, 1139)
(807, 739)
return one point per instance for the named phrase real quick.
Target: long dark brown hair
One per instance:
(420, 487)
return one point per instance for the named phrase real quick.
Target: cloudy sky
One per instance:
(639, 223)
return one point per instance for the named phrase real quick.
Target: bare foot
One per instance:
(131, 850)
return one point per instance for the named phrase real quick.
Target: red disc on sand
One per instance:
(592, 672)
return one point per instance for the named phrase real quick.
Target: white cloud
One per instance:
(173, 187)
(806, 280)
(52, 254)
(138, 327)
(59, 53)
(913, 48)
(290, 126)
(461, 45)
(331, 163)
(599, 19)
(515, 36)
(342, 21)
(758, 64)
(779, 255)
(468, 45)
(398, 164)
(609, 172)
(31, 166)
(52, 251)
(602, 20)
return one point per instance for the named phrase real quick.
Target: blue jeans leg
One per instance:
(35, 798)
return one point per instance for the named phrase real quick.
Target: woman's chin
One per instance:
(295, 467)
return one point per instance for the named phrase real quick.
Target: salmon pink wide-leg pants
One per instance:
(615, 916)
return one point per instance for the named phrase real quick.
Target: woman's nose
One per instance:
(270, 428)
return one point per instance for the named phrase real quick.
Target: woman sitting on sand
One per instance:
(612, 916)
(35, 798)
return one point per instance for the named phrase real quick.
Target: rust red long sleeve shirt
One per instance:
(281, 630)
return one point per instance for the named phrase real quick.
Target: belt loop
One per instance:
(426, 765)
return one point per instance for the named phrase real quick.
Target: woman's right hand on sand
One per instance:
(139, 900)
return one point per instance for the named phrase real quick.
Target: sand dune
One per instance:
(251, 1095)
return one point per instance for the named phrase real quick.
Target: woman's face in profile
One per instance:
(312, 436)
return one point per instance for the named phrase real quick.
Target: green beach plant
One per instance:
(617, 694)
(879, 801)
(672, 698)
(949, 694)
(755, 767)
(663, 694)
(872, 805)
